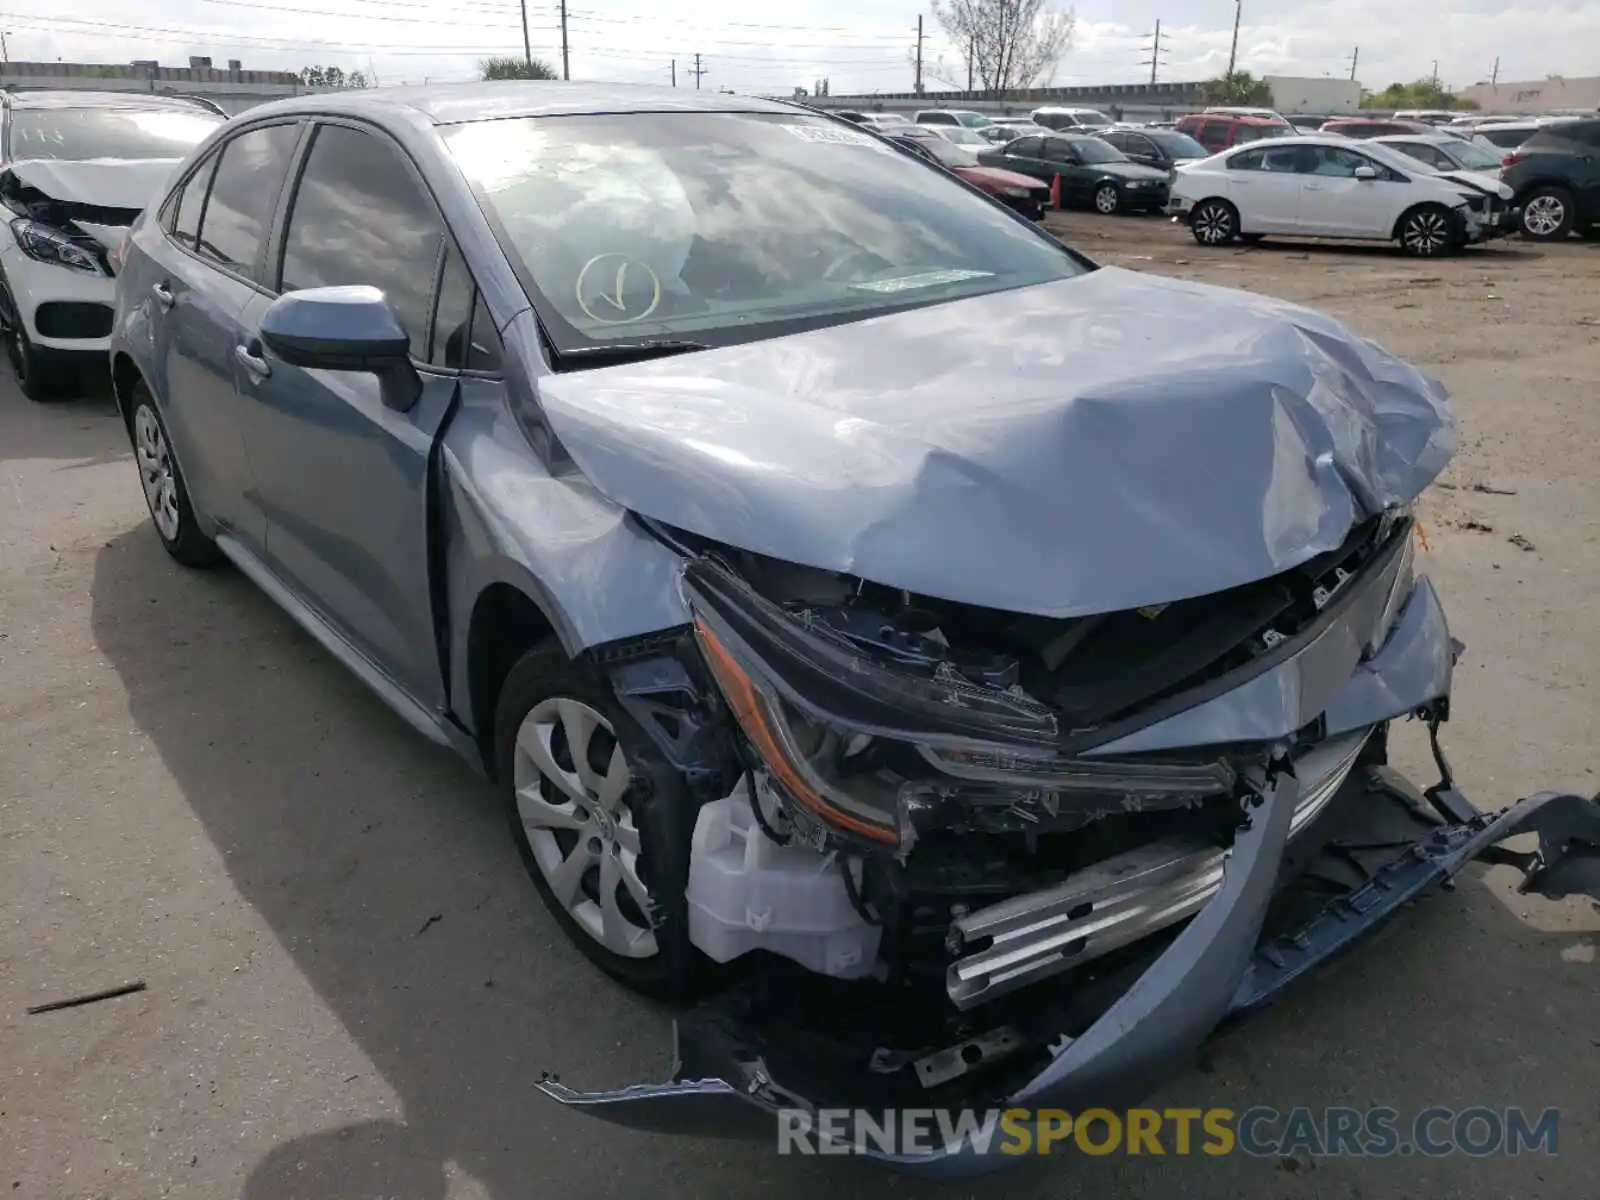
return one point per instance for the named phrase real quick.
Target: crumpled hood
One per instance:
(1480, 182)
(1089, 445)
(104, 182)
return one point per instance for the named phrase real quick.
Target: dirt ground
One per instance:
(352, 988)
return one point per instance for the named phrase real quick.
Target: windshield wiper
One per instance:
(615, 352)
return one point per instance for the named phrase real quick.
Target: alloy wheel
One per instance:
(1544, 215)
(1426, 233)
(1213, 224)
(156, 471)
(1106, 199)
(572, 783)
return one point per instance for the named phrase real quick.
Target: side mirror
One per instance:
(1366, 174)
(344, 329)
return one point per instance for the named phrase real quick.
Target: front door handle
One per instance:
(163, 295)
(251, 360)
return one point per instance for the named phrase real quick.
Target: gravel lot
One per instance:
(352, 987)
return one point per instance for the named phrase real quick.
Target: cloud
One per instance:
(860, 46)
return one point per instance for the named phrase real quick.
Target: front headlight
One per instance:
(896, 753)
(45, 243)
(1016, 193)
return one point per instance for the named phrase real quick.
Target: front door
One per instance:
(344, 480)
(1062, 159)
(1333, 201)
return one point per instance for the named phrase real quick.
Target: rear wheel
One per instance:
(1427, 231)
(1107, 198)
(1548, 214)
(164, 489)
(603, 826)
(1214, 223)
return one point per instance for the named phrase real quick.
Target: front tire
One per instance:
(1107, 199)
(603, 824)
(1548, 214)
(40, 379)
(1214, 223)
(165, 492)
(1428, 231)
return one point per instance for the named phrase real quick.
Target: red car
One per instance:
(1219, 131)
(1021, 192)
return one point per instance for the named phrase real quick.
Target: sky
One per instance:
(860, 46)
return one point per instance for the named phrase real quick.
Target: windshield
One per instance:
(1093, 150)
(972, 120)
(82, 133)
(1178, 145)
(722, 227)
(1088, 117)
(1471, 156)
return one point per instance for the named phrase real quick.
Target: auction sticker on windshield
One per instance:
(923, 279)
(838, 137)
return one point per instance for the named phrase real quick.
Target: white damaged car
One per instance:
(78, 167)
(1332, 187)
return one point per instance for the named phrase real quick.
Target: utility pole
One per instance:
(1494, 76)
(5, 54)
(1434, 78)
(697, 71)
(1155, 51)
(972, 54)
(1355, 57)
(674, 72)
(565, 73)
(916, 84)
(1233, 50)
(527, 46)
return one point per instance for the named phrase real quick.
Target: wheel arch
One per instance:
(504, 625)
(125, 376)
(1544, 181)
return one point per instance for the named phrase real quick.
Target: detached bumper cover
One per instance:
(1218, 967)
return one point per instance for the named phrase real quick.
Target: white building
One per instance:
(1294, 94)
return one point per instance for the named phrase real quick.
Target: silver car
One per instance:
(951, 662)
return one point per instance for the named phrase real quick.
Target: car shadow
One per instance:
(1499, 251)
(382, 866)
(84, 427)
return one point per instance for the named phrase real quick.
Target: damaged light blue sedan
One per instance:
(960, 673)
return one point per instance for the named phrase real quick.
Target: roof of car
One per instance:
(1427, 139)
(76, 98)
(1245, 118)
(453, 103)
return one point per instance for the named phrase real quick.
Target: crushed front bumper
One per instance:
(731, 1081)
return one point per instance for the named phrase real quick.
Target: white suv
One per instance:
(76, 168)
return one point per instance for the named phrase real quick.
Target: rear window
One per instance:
(76, 134)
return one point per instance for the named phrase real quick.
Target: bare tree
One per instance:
(1005, 44)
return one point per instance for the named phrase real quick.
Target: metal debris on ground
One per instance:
(125, 989)
(1522, 543)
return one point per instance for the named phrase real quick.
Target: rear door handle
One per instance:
(251, 361)
(163, 295)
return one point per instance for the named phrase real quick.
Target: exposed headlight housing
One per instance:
(894, 749)
(1016, 192)
(45, 243)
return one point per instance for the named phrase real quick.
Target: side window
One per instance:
(1287, 160)
(453, 312)
(244, 193)
(1431, 155)
(1137, 143)
(1119, 140)
(486, 352)
(185, 226)
(1331, 160)
(360, 215)
(1213, 135)
(1059, 150)
(1250, 160)
(1587, 134)
(1028, 147)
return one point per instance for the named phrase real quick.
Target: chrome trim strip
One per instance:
(1118, 901)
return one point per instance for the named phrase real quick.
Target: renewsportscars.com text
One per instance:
(1262, 1132)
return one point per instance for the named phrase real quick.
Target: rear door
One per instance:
(199, 279)
(344, 479)
(1026, 156)
(1264, 184)
(1586, 170)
